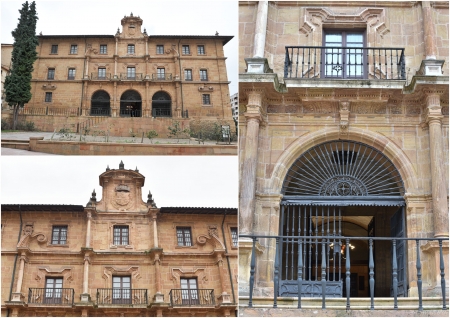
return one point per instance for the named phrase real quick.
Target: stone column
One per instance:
(86, 275)
(225, 297)
(88, 229)
(260, 29)
(159, 297)
(428, 31)
(155, 230)
(17, 296)
(250, 158)
(438, 183)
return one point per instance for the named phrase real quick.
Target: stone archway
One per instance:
(161, 105)
(100, 104)
(130, 104)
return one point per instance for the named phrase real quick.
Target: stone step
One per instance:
(16, 144)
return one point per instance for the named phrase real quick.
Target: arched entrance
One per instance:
(161, 105)
(340, 189)
(100, 104)
(130, 104)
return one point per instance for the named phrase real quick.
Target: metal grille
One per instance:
(343, 169)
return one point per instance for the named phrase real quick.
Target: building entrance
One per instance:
(130, 104)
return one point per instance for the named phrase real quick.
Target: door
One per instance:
(121, 290)
(53, 291)
(189, 291)
(398, 230)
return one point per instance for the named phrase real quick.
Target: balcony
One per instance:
(192, 298)
(100, 77)
(320, 62)
(131, 76)
(162, 112)
(100, 112)
(51, 296)
(122, 296)
(162, 77)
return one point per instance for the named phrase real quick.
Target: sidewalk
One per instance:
(18, 152)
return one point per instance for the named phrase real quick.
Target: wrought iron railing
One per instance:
(161, 112)
(325, 242)
(344, 63)
(83, 127)
(100, 77)
(162, 77)
(100, 112)
(51, 111)
(130, 113)
(191, 297)
(51, 296)
(185, 114)
(131, 77)
(122, 296)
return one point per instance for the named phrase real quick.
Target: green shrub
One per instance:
(26, 125)
(5, 125)
(152, 134)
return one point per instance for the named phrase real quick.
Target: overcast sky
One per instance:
(189, 181)
(183, 17)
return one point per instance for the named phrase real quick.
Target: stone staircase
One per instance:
(16, 144)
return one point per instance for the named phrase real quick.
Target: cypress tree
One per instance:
(18, 82)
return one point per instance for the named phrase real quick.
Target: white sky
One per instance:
(102, 17)
(189, 181)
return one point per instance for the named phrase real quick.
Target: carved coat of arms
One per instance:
(122, 197)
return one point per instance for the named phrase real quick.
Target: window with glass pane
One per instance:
(53, 290)
(161, 73)
(234, 235)
(185, 49)
(73, 49)
(59, 234)
(54, 49)
(343, 56)
(188, 75)
(130, 49)
(203, 75)
(184, 236)
(120, 235)
(103, 49)
(200, 49)
(160, 49)
(71, 74)
(102, 73)
(206, 98)
(51, 73)
(189, 291)
(48, 97)
(131, 72)
(121, 289)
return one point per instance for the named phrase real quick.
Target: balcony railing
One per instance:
(122, 296)
(322, 280)
(344, 63)
(130, 113)
(100, 112)
(162, 77)
(160, 112)
(51, 296)
(191, 297)
(101, 77)
(50, 111)
(131, 77)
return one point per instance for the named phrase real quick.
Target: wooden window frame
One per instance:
(189, 73)
(185, 49)
(120, 238)
(189, 296)
(234, 236)
(69, 76)
(184, 236)
(57, 238)
(54, 49)
(204, 75)
(201, 50)
(103, 49)
(206, 99)
(131, 49)
(73, 49)
(159, 49)
(121, 291)
(48, 97)
(53, 291)
(51, 73)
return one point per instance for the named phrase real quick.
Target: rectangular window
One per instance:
(185, 49)
(121, 290)
(200, 49)
(130, 49)
(160, 49)
(120, 235)
(103, 49)
(342, 58)
(102, 73)
(51, 73)
(188, 75)
(234, 235)
(54, 49)
(48, 97)
(73, 49)
(59, 233)
(203, 75)
(131, 73)
(53, 290)
(184, 236)
(71, 75)
(206, 99)
(189, 291)
(161, 73)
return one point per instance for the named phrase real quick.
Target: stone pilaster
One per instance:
(260, 29)
(429, 31)
(17, 296)
(253, 117)
(438, 184)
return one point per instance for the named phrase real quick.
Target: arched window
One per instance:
(161, 105)
(100, 104)
(130, 104)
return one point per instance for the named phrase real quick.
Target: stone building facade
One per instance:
(133, 81)
(119, 256)
(343, 133)
(6, 67)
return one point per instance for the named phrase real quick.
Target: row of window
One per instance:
(185, 49)
(131, 73)
(121, 235)
(206, 98)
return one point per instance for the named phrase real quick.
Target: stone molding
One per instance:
(211, 238)
(110, 271)
(198, 273)
(47, 271)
